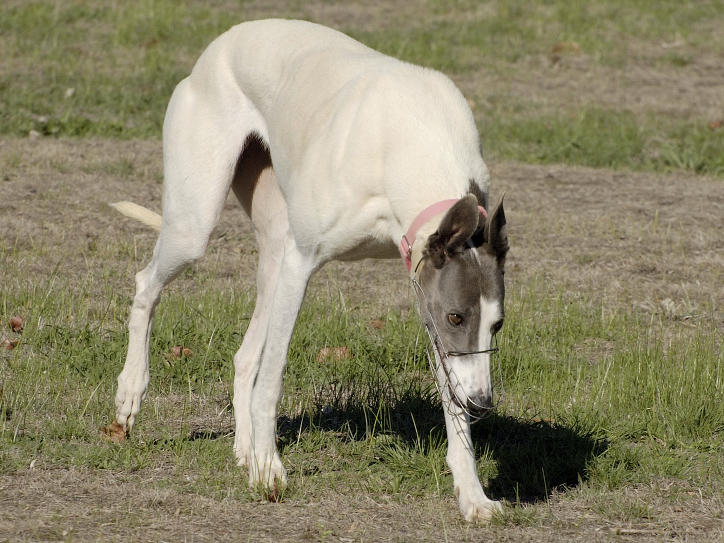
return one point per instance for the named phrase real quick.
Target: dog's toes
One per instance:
(475, 506)
(482, 511)
(129, 397)
(267, 473)
(241, 449)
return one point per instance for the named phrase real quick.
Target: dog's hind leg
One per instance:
(200, 153)
(256, 188)
(281, 282)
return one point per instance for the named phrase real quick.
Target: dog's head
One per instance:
(461, 276)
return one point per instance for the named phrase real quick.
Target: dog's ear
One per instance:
(456, 227)
(496, 234)
(482, 196)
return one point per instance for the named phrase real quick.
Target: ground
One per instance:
(628, 238)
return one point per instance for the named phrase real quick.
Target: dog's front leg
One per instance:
(474, 504)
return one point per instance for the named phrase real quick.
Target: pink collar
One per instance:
(409, 238)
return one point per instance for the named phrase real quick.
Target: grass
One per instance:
(76, 69)
(571, 417)
(604, 138)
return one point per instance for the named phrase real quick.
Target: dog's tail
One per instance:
(140, 213)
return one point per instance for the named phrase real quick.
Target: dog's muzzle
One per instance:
(479, 405)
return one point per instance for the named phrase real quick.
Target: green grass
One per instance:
(503, 33)
(121, 60)
(604, 138)
(78, 69)
(650, 406)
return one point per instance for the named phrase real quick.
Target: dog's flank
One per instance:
(333, 150)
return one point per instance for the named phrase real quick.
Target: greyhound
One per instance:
(335, 151)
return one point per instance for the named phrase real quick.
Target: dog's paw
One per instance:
(241, 459)
(242, 447)
(479, 508)
(129, 396)
(267, 472)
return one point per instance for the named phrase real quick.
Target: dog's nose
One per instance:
(478, 405)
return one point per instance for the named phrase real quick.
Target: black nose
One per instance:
(480, 404)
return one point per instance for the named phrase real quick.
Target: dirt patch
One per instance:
(80, 505)
(694, 91)
(632, 239)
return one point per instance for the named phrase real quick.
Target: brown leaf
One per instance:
(333, 354)
(9, 344)
(176, 352)
(273, 495)
(115, 432)
(564, 48)
(377, 324)
(17, 324)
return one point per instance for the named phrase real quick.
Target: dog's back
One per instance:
(364, 122)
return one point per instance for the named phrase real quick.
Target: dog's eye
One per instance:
(497, 326)
(455, 319)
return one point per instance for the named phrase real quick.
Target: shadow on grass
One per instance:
(534, 457)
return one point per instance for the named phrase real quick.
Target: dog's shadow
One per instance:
(534, 457)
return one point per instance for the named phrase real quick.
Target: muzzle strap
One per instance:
(443, 354)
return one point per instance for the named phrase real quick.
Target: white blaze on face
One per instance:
(490, 313)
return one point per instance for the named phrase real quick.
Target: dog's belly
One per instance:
(370, 248)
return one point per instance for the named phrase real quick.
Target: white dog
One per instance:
(335, 151)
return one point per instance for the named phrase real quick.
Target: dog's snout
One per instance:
(480, 404)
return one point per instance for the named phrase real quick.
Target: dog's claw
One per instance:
(129, 397)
